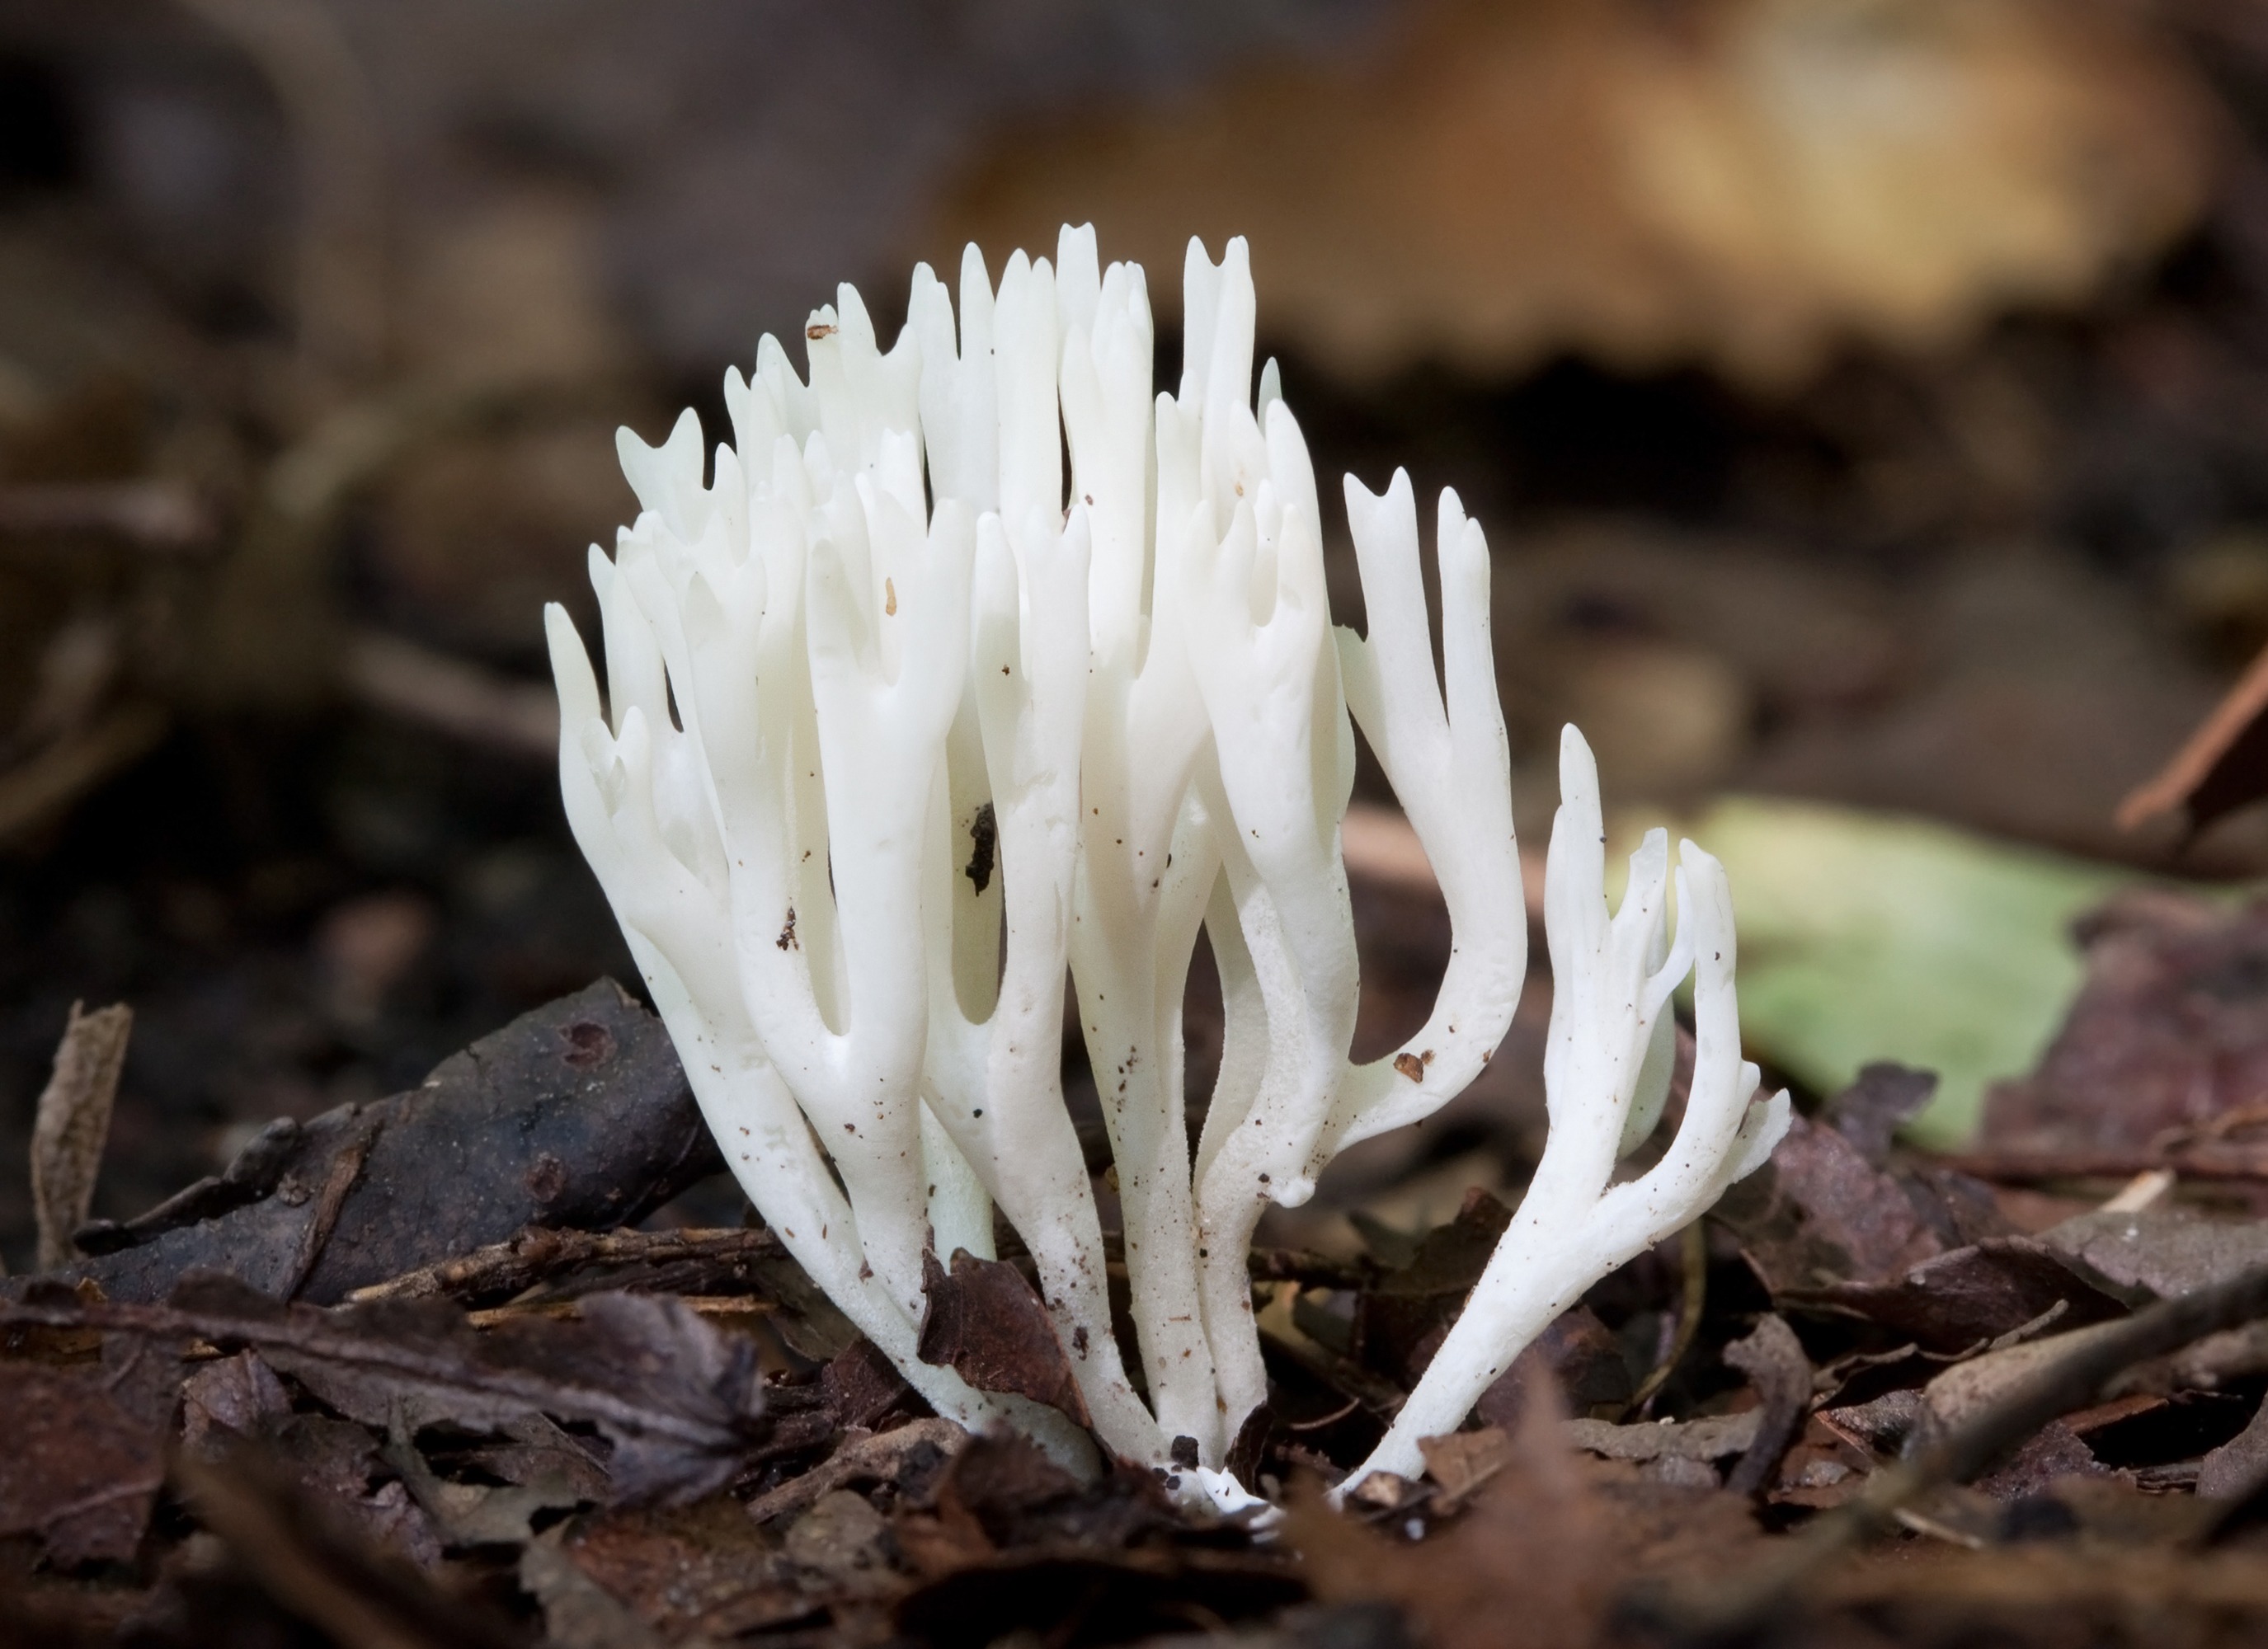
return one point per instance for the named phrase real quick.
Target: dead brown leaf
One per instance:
(575, 1113)
(671, 1567)
(86, 1451)
(1952, 1302)
(2165, 1050)
(986, 1323)
(1772, 1359)
(682, 1403)
(1832, 1206)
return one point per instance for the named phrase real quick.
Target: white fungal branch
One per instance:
(899, 727)
(1606, 1075)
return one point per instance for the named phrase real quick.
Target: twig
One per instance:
(1693, 1255)
(346, 1168)
(156, 515)
(1310, 1269)
(884, 1456)
(2068, 1382)
(572, 1310)
(480, 706)
(538, 1255)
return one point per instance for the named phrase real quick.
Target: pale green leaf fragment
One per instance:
(1869, 936)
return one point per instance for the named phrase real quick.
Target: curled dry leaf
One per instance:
(72, 1123)
(1773, 1360)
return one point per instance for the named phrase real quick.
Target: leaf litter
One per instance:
(1872, 1387)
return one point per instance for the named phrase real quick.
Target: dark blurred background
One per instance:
(1868, 401)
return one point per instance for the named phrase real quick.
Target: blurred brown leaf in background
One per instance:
(1745, 182)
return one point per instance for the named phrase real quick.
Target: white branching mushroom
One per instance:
(899, 727)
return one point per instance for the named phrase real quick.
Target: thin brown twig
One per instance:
(346, 1169)
(539, 1255)
(1693, 1255)
(511, 715)
(571, 1310)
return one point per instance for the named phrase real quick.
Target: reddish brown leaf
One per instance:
(982, 1321)
(2166, 1043)
(1831, 1206)
(82, 1464)
(2221, 766)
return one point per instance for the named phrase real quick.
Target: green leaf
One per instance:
(1869, 936)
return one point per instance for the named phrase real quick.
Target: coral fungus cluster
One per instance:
(902, 723)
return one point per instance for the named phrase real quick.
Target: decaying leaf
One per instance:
(1748, 181)
(986, 1323)
(575, 1113)
(73, 1122)
(1772, 1359)
(1411, 1303)
(1831, 1205)
(1711, 1437)
(704, 1569)
(1972, 1294)
(83, 1453)
(2238, 1469)
(681, 1403)
(1584, 1360)
(2159, 1252)
(2167, 1044)
(578, 1613)
(913, 1451)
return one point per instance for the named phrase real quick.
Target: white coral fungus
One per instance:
(897, 730)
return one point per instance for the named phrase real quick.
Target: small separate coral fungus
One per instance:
(897, 729)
